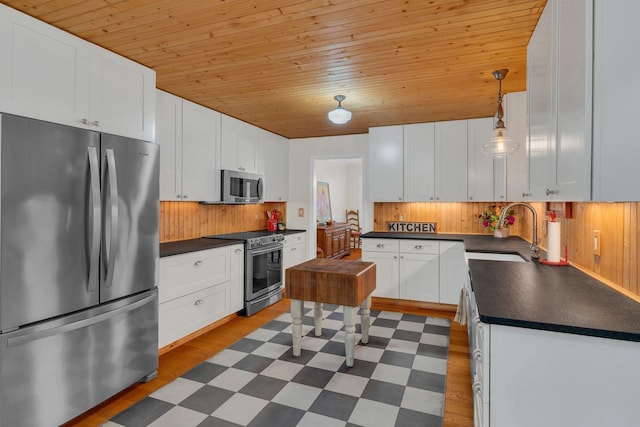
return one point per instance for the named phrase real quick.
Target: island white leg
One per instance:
(317, 318)
(296, 328)
(365, 318)
(349, 318)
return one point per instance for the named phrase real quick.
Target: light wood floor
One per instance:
(458, 399)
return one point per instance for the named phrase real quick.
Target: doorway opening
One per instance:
(344, 177)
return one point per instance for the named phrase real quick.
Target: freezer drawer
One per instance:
(53, 371)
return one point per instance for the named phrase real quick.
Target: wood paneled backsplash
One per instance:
(619, 224)
(189, 220)
(451, 217)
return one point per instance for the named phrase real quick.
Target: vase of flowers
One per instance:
(491, 216)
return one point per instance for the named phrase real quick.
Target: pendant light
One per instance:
(500, 144)
(339, 115)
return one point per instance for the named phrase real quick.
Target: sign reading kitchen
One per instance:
(413, 227)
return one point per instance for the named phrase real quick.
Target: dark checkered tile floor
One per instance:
(398, 378)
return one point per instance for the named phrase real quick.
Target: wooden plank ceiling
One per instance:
(279, 63)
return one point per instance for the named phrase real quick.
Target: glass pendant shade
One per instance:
(339, 115)
(500, 144)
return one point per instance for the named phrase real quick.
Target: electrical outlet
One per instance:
(301, 212)
(256, 217)
(596, 242)
(401, 218)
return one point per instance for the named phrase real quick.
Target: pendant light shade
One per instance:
(500, 144)
(339, 115)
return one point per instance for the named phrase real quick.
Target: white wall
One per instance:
(302, 155)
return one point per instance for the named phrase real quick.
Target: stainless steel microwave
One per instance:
(241, 187)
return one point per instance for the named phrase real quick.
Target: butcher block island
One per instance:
(346, 283)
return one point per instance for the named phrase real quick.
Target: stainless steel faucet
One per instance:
(535, 250)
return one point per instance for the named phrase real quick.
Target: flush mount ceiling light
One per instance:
(500, 144)
(339, 115)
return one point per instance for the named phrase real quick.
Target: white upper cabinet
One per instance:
(515, 106)
(616, 149)
(419, 165)
(486, 174)
(188, 135)
(51, 75)
(169, 137)
(559, 77)
(418, 162)
(541, 89)
(200, 142)
(386, 168)
(239, 145)
(122, 96)
(273, 165)
(451, 161)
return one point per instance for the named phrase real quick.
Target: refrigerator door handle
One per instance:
(94, 255)
(82, 323)
(109, 255)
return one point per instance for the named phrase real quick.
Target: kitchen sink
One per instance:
(494, 256)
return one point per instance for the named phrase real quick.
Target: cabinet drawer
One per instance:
(187, 273)
(295, 239)
(182, 316)
(420, 246)
(380, 245)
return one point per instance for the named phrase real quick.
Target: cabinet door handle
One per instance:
(526, 194)
(293, 249)
(380, 245)
(198, 302)
(477, 354)
(197, 263)
(399, 198)
(550, 192)
(470, 197)
(418, 247)
(85, 121)
(395, 257)
(95, 123)
(238, 250)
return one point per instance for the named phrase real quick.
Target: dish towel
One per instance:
(461, 311)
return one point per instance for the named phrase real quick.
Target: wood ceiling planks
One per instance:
(278, 63)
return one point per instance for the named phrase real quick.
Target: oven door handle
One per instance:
(261, 251)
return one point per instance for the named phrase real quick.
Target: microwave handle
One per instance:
(260, 183)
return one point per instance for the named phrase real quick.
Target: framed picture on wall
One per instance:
(324, 202)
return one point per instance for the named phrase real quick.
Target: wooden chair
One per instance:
(353, 219)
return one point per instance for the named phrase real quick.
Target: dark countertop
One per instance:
(538, 296)
(192, 245)
(472, 242)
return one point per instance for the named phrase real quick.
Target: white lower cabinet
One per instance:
(453, 271)
(294, 251)
(529, 377)
(197, 289)
(420, 270)
(384, 252)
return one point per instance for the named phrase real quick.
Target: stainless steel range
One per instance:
(262, 267)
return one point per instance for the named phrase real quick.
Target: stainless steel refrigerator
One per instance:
(79, 214)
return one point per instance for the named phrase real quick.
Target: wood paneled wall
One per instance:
(619, 224)
(451, 217)
(190, 220)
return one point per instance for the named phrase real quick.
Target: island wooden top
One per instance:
(331, 281)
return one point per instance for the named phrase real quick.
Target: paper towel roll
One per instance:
(553, 242)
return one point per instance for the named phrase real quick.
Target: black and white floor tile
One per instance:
(398, 378)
